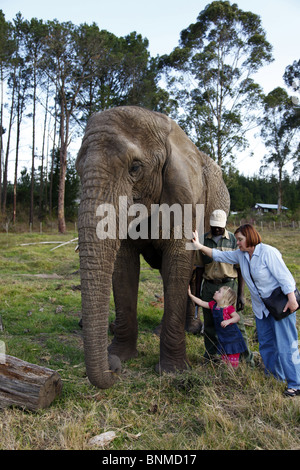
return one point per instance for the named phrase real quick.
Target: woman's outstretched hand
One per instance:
(195, 240)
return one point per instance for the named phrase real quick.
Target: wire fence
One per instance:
(268, 225)
(234, 222)
(38, 227)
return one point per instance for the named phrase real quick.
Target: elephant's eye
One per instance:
(135, 168)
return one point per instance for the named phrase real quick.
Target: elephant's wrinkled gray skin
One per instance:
(133, 152)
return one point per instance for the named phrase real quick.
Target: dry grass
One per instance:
(209, 407)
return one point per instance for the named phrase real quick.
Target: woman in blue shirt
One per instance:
(278, 340)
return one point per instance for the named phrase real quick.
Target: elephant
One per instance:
(144, 157)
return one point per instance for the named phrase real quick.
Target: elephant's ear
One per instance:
(182, 172)
(192, 177)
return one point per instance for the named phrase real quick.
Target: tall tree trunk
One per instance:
(43, 157)
(16, 162)
(51, 176)
(7, 148)
(279, 207)
(1, 130)
(47, 166)
(64, 126)
(20, 109)
(33, 149)
(61, 189)
(53, 156)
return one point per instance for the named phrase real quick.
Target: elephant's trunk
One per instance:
(96, 267)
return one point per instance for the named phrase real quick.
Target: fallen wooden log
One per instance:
(27, 385)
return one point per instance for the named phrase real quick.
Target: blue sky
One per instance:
(161, 22)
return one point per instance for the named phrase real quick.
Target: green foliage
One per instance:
(70, 71)
(292, 76)
(280, 138)
(219, 53)
(7, 43)
(71, 193)
(245, 191)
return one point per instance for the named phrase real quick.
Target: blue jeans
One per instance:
(278, 346)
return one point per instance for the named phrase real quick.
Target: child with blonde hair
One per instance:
(231, 341)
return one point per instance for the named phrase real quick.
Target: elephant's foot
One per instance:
(194, 326)
(168, 367)
(123, 351)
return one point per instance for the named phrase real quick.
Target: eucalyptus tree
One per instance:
(292, 79)
(34, 33)
(7, 48)
(101, 73)
(22, 86)
(58, 63)
(43, 167)
(69, 51)
(212, 71)
(12, 72)
(3, 41)
(134, 66)
(22, 79)
(120, 72)
(139, 76)
(12, 87)
(279, 137)
(18, 84)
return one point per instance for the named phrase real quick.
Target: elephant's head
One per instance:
(145, 156)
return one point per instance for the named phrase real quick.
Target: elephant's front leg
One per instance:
(125, 289)
(176, 273)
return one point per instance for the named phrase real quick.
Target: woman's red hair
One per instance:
(253, 238)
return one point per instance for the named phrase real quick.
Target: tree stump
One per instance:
(27, 385)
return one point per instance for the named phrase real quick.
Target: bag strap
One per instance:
(254, 282)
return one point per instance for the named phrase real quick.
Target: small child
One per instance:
(231, 341)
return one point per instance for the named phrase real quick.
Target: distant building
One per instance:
(264, 208)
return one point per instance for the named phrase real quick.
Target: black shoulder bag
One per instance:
(277, 301)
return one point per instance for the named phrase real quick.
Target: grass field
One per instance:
(208, 408)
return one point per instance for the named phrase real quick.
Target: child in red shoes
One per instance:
(231, 341)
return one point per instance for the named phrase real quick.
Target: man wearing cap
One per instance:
(214, 275)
